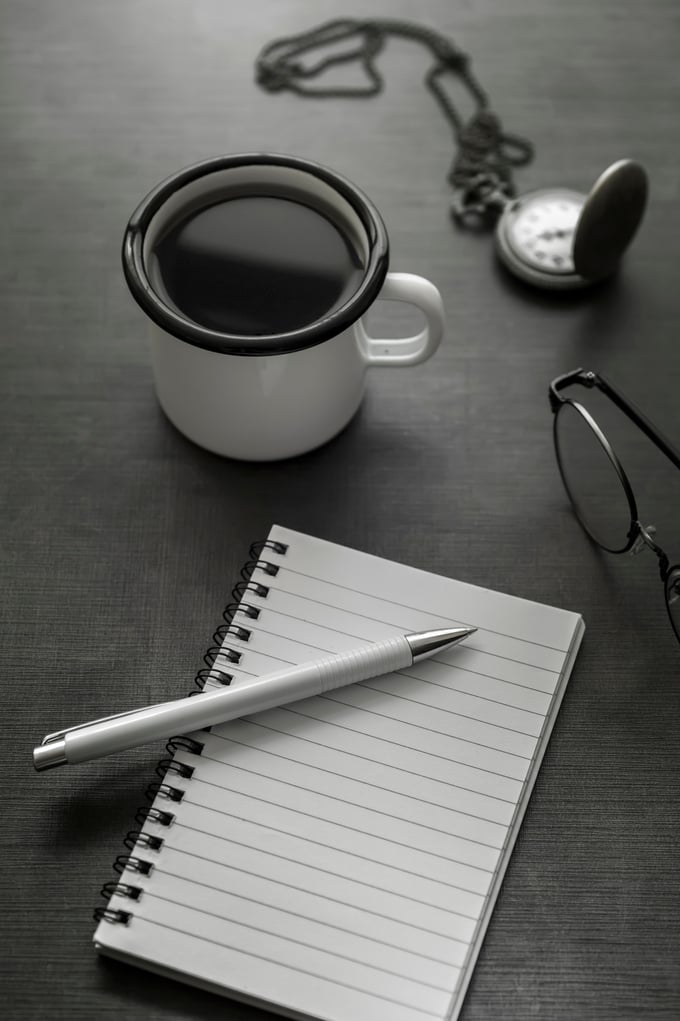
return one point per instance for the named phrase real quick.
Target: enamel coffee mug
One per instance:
(256, 272)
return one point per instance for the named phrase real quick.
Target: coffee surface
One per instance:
(256, 265)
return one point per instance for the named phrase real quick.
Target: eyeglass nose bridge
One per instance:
(644, 540)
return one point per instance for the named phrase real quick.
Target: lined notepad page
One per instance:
(339, 857)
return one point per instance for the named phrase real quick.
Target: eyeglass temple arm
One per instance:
(592, 379)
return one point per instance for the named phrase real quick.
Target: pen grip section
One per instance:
(360, 664)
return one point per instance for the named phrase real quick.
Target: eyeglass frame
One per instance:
(637, 533)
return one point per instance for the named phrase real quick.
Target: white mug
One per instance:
(273, 396)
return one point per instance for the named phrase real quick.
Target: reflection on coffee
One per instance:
(256, 265)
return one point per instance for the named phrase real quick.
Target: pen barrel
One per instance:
(214, 707)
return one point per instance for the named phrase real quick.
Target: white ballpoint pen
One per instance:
(140, 726)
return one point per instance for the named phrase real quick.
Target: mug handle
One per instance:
(406, 350)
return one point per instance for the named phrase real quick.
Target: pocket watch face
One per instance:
(535, 236)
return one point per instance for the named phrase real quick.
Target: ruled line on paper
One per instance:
(470, 746)
(267, 726)
(299, 914)
(382, 739)
(491, 677)
(346, 878)
(415, 726)
(335, 954)
(307, 839)
(498, 739)
(305, 620)
(357, 829)
(317, 648)
(324, 896)
(428, 705)
(374, 968)
(354, 804)
(347, 776)
(286, 569)
(275, 611)
(331, 898)
(400, 627)
(380, 997)
(453, 691)
(405, 629)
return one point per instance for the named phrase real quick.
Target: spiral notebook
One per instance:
(339, 857)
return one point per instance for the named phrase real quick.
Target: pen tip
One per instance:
(426, 643)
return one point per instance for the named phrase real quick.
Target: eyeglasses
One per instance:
(598, 486)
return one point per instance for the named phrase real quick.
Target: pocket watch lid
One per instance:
(609, 219)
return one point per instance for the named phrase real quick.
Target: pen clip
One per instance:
(59, 734)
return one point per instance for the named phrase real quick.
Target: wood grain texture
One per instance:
(121, 541)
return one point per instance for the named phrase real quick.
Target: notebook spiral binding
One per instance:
(207, 674)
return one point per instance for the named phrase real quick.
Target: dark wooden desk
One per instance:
(120, 540)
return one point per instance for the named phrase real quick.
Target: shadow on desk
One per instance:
(95, 799)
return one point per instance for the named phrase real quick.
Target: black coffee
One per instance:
(256, 265)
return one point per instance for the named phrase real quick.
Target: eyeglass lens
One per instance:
(591, 480)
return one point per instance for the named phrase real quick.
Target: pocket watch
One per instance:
(561, 239)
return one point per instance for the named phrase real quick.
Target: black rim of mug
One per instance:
(173, 322)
